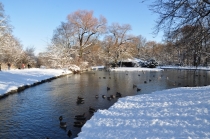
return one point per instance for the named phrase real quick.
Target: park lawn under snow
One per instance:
(174, 113)
(12, 79)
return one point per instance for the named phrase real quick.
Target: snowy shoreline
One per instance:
(173, 113)
(185, 68)
(135, 69)
(13, 81)
(159, 68)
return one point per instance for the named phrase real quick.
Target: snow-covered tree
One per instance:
(62, 48)
(5, 32)
(5, 28)
(10, 47)
(72, 41)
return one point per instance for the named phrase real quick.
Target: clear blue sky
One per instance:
(35, 20)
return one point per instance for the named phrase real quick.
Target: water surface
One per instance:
(34, 112)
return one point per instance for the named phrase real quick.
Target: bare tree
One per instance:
(87, 29)
(189, 48)
(141, 43)
(118, 44)
(96, 55)
(176, 15)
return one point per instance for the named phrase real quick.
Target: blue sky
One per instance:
(35, 20)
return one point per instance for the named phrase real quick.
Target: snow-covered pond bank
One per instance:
(135, 69)
(185, 67)
(11, 80)
(173, 113)
(159, 68)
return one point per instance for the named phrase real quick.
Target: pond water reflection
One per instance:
(34, 112)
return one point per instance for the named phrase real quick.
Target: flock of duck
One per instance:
(81, 119)
(80, 100)
(117, 95)
(79, 123)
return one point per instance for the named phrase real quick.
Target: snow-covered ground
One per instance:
(97, 67)
(135, 69)
(173, 113)
(12, 79)
(158, 68)
(185, 67)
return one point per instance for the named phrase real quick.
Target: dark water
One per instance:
(34, 112)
